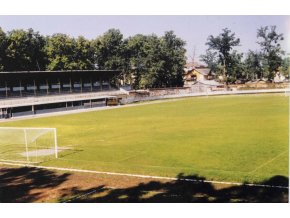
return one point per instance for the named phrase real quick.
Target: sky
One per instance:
(194, 29)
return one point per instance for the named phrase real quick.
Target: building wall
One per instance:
(199, 76)
(195, 74)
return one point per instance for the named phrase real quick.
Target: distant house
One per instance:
(192, 75)
(200, 79)
(279, 78)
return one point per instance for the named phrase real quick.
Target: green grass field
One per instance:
(226, 138)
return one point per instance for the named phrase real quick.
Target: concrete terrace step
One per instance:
(16, 102)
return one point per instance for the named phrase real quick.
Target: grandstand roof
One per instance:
(59, 71)
(12, 75)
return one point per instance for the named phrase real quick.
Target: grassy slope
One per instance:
(223, 138)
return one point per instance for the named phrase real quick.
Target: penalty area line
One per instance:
(269, 161)
(143, 176)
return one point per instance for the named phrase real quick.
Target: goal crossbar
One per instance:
(28, 128)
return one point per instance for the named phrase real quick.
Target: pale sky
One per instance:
(193, 29)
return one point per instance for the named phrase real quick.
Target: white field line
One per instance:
(269, 161)
(86, 194)
(143, 176)
(17, 161)
(80, 196)
(94, 191)
(156, 166)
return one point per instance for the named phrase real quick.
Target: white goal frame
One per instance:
(35, 128)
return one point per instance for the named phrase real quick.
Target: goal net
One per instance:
(30, 145)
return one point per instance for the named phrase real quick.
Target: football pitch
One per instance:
(240, 138)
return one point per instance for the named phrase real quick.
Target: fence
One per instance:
(132, 99)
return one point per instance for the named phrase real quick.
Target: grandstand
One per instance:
(35, 92)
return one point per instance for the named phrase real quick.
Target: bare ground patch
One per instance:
(43, 152)
(26, 184)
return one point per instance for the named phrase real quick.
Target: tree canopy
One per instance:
(223, 44)
(3, 46)
(269, 40)
(145, 60)
(66, 53)
(108, 50)
(211, 59)
(222, 58)
(156, 61)
(23, 50)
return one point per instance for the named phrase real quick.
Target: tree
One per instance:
(25, 51)
(211, 59)
(285, 68)
(109, 50)
(271, 49)
(141, 53)
(66, 53)
(236, 67)
(223, 44)
(253, 65)
(172, 61)
(60, 51)
(156, 61)
(84, 54)
(3, 46)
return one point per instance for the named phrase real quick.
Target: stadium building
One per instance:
(35, 92)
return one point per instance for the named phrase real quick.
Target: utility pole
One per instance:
(193, 55)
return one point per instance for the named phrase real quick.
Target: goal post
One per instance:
(55, 143)
(28, 144)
